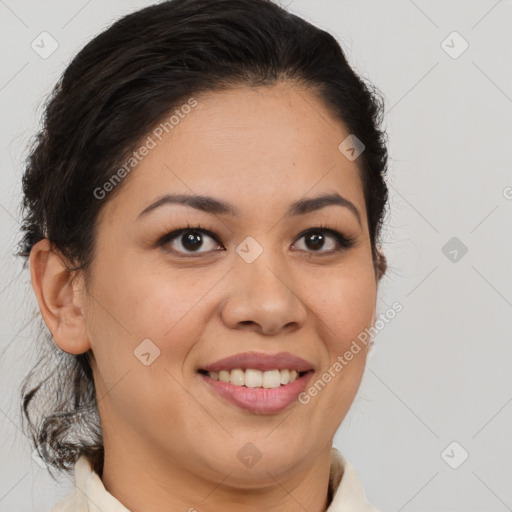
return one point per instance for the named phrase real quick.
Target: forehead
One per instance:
(247, 146)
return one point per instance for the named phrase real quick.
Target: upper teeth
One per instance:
(255, 378)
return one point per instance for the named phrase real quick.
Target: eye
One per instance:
(316, 239)
(198, 240)
(190, 240)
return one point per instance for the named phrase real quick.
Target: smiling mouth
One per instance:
(257, 391)
(253, 378)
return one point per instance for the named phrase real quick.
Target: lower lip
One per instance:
(260, 400)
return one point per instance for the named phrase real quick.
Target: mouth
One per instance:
(257, 391)
(254, 378)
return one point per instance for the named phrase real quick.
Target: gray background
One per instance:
(441, 370)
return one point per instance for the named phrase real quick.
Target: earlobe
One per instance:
(58, 299)
(381, 265)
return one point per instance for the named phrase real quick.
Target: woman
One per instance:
(202, 212)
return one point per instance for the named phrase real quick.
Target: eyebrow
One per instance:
(218, 207)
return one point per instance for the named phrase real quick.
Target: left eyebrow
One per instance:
(316, 203)
(218, 207)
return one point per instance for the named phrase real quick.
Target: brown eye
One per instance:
(325, 238)
(190, 240)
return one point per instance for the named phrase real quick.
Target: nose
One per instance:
(262, 299)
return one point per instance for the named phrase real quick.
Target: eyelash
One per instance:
(345, 242)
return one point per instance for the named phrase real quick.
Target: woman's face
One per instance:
(158, 313)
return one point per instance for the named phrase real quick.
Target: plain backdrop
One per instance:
(430, 427)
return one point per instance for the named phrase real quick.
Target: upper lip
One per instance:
(260, 361)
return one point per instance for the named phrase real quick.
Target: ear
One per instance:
(59, 299)
(380, 265)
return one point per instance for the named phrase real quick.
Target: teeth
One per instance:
(256, 378)
(237, 377)
(224, 376)
(271, 379)
(253, 378)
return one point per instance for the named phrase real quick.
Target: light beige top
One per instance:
(90, 495)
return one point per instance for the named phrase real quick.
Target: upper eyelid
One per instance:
(167, 238)
(177, 232)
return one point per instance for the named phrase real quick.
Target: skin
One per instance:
(170, 442)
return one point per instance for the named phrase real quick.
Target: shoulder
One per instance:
(76, 499)
(347, 488)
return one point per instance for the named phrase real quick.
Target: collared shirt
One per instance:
(90, 495)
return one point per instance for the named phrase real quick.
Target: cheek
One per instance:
(345, 307)
(132, 304)
(146, 300)
(130, 309)
(169, 309)
(344, 311)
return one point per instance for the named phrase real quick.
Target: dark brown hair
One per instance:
(114, 92)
